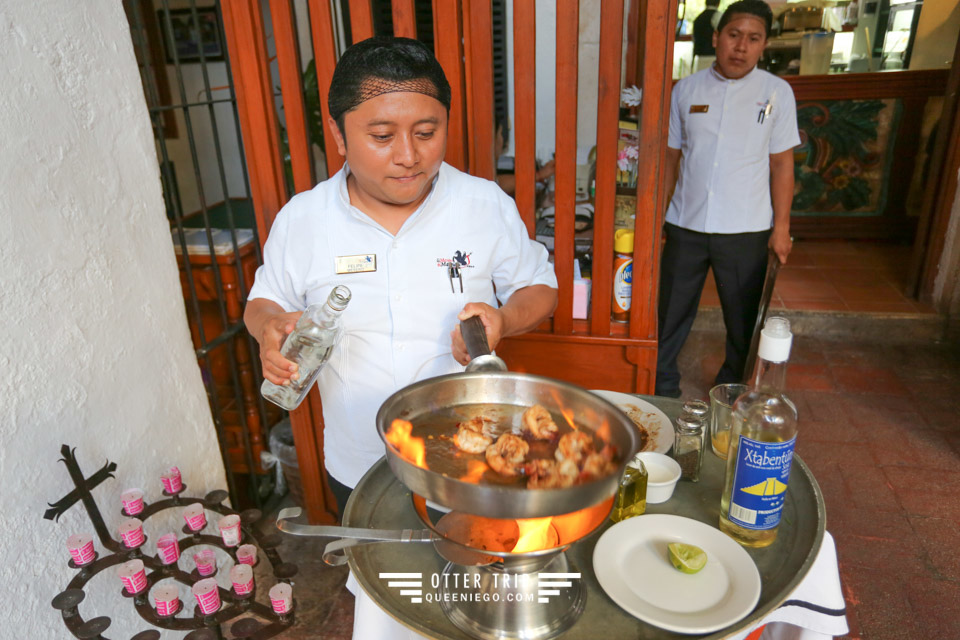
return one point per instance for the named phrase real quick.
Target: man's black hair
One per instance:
(381, 65)
(712, 4)
(757, 8)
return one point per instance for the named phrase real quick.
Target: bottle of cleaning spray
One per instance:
(622, 273)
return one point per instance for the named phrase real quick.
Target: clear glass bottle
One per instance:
(762, 438)
(309, 345)
(631, 497)
(688, 445)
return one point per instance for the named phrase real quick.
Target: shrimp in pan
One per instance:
(598, 465)
(471, 436)
(573, 446)
(549, 474)
(507, 454)
(539, 424)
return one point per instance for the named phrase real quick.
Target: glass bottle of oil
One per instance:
(631, 497)
(762, 438)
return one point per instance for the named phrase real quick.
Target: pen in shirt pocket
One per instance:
(764, 112)
(453, 271)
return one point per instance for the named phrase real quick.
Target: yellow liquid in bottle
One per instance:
(631, 497)
(753, 538)
(764, 416)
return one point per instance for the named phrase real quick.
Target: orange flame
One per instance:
(410, 448)
(475, 469)
(573, 526)
(603, 431)
(535, 534)
(567, 413)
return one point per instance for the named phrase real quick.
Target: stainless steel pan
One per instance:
(474, 392)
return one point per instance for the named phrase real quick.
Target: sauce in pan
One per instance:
(443, 457)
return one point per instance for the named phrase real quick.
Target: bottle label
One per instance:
(760, 483)
(622, 284)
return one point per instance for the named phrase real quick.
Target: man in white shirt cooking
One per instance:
(730, 153)
(389, 226)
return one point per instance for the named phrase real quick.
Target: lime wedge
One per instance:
(686, 557)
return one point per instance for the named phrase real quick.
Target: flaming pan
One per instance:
(435, 470)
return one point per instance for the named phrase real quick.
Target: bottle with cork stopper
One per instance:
(622, 273)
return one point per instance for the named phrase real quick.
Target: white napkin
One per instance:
(815, 610)
(370, 622)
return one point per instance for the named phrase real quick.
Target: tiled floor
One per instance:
(830, 275)
(879, 428)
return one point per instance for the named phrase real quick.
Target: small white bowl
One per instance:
(662, 475)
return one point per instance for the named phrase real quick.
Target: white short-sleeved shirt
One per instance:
(398, 323)
(724, 179)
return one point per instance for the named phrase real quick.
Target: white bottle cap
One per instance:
(775, 340)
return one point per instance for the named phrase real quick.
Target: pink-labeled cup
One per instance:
(281, 598)
(168, 549)
(80, 546)
(230, 530)
(171, 480)
(131, 532)
(167, 599)
(241, 575)
(133, 576)
(206, 562)
(247, 554)
(132, 500)
(195, 517)
(208, 595)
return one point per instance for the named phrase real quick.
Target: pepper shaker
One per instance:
(699, 408)
(688, 445)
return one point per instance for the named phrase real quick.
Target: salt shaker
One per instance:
(688, 445)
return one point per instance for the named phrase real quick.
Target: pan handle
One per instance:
(475, 337)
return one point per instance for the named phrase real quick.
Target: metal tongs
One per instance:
(333, 553)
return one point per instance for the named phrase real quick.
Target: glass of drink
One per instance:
(722, 398)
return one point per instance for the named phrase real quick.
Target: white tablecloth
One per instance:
(814, 611)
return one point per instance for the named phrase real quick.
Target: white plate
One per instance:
(655, 422)
(632, 566)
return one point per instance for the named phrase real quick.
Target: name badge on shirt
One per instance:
(699, 108)
(357, 264)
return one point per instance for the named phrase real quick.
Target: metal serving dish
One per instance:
(474, 392)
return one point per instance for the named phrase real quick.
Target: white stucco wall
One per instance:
(94, 346)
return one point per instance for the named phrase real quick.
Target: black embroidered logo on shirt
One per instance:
(460, 259)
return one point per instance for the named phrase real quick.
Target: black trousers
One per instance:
(341, 492)
(739, 262)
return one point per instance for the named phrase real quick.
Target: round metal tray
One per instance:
(381, 501)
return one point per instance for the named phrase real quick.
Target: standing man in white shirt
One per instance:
(389, 226)
(733, 128)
